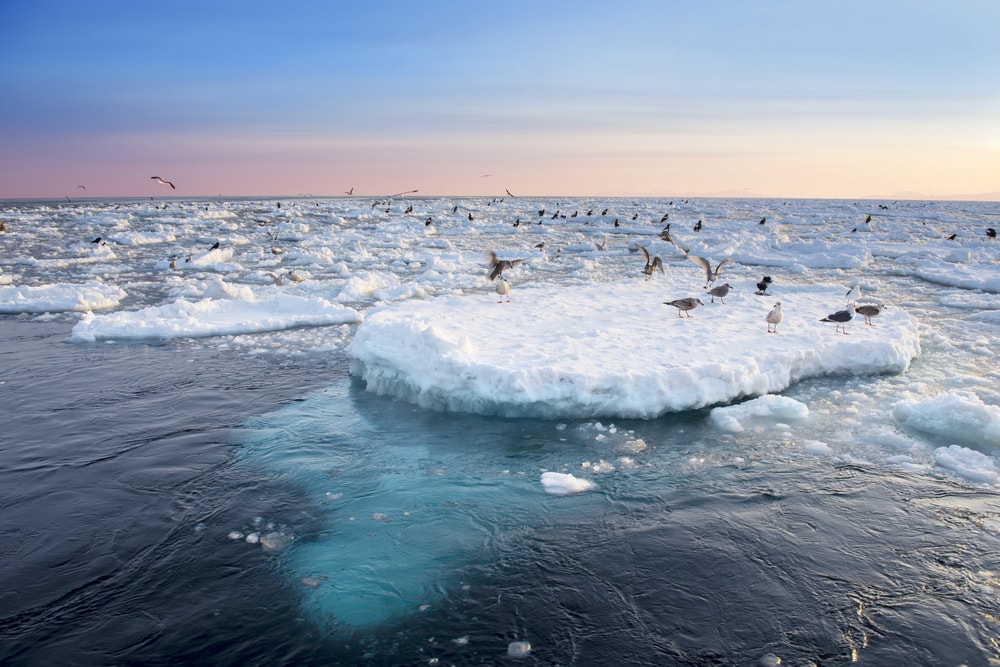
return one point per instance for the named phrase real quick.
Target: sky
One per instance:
(771, 98)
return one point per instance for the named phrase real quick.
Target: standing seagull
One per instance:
(773, 318)
(841, 317)
(684, 305)
(160, 180)
(721, 291)
(868, 311)
(710, 276)
(503, 290)
(651, 265)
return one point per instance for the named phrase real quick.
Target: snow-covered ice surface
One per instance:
(585, 410)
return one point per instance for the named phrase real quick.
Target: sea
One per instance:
(218, 491)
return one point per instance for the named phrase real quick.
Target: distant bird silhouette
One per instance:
(508, 193)
(868, 311)
(97, 241)
(710, 275)
(617, 224)
(952, 237)
(697, 226)
(841, 317)
(81, 187)
(503, 290)
(762, 221)
(684, 305)
(428, 222)
(773, 318)
(762, 286)
(721, 291)
(991, 233)
(214, 247)
(651, 264)
(664, 218)
(350, 192)
(498, 266)
(603, 244)
(160, 180)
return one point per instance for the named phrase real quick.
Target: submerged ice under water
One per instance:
(851, 518)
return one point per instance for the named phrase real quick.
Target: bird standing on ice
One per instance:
(721, 291)
(868, 311)
(773, 318)
(841, 317)
(684, 305)
(503, 290)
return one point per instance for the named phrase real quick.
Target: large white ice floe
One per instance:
(615, 350)
(59, 297)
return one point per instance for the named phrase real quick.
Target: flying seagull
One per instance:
(400, 194)
(498, 266)
(684, 305)
(508, 193)
(773, 318)
(160, 180)
(651, 264)
(710, 275)
(350, 192)
(82, 187)
(841, 317)
(868, 311)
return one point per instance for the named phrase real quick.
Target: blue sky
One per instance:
(829, 99)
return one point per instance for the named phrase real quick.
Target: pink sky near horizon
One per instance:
(830, 100)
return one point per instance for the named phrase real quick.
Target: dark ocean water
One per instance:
(123, 467)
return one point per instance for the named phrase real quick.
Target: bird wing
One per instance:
(491, 258)
(722, 264)
(645, 254)
(703, 263)
(658, 263)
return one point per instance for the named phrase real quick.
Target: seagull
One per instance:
(160, 180)
(508, 193)
(350, 192)
(721, 291)
(503, 290)
(869, 311)
(773, 318)
(841, 317)
(400, 194)
(684, 305)
(81, 187)
(651, 265)
(603, 244)
(762, 286)
(500, 265)
(710, 276)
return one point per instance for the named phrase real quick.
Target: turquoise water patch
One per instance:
(410, 496)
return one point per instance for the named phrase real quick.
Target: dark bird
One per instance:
(684, 305)
(214, 247)
(697, 226)
(868, 311)
(991, 233)
(470, 217)
(508, 193)
(541, 213)
(498, 266)
(710, 275)
(762, 221)
(665, 234)
(635, 217)
(841, 317)
(350, 192)
(428, 222)
(81, 187)
(664, 218)
(97, 240)
(160, 180)
(617, 224)
(651, 264)
(517, 223)
(773, 318)
(952, 237)
(762, 286)
(604, 212)
(868, 220)
(721, 291)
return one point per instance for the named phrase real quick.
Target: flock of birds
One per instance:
(684, 306)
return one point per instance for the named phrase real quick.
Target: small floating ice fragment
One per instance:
(519, 649)
(236, 535)
(253, 538)
(563, 484)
